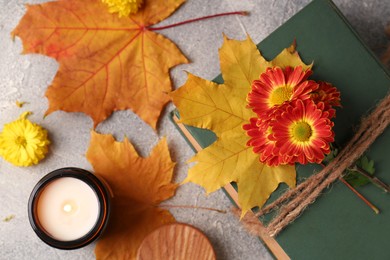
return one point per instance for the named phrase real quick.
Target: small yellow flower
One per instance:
(123, 7)
(22, 142)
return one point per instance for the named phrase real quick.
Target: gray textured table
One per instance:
(25, 77)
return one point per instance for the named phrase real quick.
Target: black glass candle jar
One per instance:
(69, 208)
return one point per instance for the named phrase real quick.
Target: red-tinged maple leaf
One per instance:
(106, 63)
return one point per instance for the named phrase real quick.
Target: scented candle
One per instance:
(69, 208)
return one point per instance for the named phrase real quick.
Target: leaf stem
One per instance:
(196, 20)
(372, 179)
(191, 207)
(375, 209)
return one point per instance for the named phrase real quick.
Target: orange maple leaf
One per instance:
(106, 63)
(139, 185)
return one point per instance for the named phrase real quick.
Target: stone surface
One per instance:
(26, 77)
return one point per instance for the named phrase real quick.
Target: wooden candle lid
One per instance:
(176, 242)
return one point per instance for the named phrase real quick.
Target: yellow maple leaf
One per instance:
(106, 63)
(139, 185)
(222, 109)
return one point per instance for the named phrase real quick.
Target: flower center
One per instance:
(301, 131)
(21, 140)
(280, 95)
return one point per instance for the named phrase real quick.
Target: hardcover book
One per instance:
(338, 225)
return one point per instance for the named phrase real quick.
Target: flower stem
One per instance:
(372, 179)
(375, 209)
(191, 207)
(196, 20)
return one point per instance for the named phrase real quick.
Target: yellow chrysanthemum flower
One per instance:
(22, 142)
(123, 7)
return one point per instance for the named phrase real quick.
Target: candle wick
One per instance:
(68, 208)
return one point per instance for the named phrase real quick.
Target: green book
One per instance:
(338, 225)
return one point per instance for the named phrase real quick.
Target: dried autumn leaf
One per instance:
(222, 109)
(106, 63)
(139, 185)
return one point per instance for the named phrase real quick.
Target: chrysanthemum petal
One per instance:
(306, 137)
(123, 7)
(328, 95)
(23, 143)
(277, 86)
(293, 116)
(260, 131)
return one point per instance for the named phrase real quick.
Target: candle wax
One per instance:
(67, 208)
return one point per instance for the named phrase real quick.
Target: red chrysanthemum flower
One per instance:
(259, 131)
(303, 132)
(277, 86)
(328, 94)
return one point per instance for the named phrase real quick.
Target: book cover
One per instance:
(338, 225)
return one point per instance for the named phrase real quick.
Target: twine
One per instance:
(293, 202)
